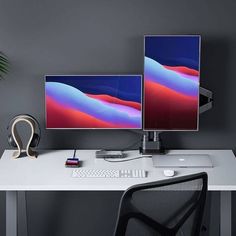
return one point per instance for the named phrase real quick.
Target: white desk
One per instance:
(48, 173)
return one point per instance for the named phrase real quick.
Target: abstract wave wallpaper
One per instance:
(94, 101)
(171, 82)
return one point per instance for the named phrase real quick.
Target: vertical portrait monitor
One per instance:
(93, 101)
(171, 82)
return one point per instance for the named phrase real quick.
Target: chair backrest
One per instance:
(163, 207)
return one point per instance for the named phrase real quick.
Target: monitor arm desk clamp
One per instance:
(151, 143)
(151, 140)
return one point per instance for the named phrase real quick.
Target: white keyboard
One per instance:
(108, 173)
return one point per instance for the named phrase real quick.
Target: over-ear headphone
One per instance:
(36, 136)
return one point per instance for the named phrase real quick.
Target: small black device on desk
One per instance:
(109, 154)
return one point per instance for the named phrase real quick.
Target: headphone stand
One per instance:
(29, 152)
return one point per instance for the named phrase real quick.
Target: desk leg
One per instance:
(22, 221)
(225, 213)
(11, 213)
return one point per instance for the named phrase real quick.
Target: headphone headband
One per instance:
(24, 116)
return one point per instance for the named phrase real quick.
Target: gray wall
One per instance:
(104, 37)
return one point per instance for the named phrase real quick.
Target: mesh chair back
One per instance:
(166, 208)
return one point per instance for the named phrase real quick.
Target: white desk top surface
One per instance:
(48, 171)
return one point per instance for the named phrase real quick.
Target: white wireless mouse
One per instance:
(169, 173)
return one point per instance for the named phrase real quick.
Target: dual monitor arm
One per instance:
(151, 141)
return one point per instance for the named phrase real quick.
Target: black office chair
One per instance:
(169, 207)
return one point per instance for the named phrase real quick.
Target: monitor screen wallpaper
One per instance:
(96, 101)
(171, 82)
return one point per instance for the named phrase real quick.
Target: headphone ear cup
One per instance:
(11, 141)
(35, 140)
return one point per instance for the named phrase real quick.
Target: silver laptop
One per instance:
(182, 160)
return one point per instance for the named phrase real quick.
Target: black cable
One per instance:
(130, 159)
(74, 154)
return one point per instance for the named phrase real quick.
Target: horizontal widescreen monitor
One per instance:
(93, 101)
(171, 82)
